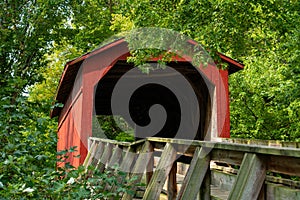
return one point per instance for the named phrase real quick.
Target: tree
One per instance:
(91, 21)
(44, 91)
(28, 30)
(262, 34)
(265, 98)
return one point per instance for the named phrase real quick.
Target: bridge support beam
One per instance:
(250, 178)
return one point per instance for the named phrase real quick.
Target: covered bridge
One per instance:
(87, 84)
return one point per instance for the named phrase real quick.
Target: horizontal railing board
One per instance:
(272, 179)
(111, 141)
(282, 151)
(227, 156)
(274, 143)
(284, 164)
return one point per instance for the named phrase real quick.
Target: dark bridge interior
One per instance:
(148, 95)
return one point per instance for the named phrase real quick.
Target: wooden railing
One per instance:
(252, 163)
(271, 143)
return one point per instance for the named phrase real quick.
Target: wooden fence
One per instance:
(254, 166)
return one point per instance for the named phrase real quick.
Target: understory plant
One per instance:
(28, 159)
(68, 182)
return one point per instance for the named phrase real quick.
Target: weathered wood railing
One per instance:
(252, 163)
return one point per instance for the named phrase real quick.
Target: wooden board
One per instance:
(98, 154)
(115, 158)
(140, 166)
(88, 158)
(172, 183)
(195, 175)
(161, 173)
(245, 148)
(105, 157)
(284, 164)
(250, 178)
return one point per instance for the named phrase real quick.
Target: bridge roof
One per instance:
(71, 69)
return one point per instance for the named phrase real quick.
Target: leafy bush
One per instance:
(113, 127)
(28, 147)
(87, 183)
(78, 184)
(28, 159)
(66, 182)
(125, 137)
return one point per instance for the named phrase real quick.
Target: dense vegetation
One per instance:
(37, 37)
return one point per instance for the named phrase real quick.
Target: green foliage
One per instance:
(120, 23)
(115, 128)
(28, 160)
(265, 98)
(28, 137)
(125, 137)
(28, 145)
(65, 182)
(91, 21)
(27, 31)
(37, 37)
(56, 60)
(82, 183)
(265, 102)
(264, 35)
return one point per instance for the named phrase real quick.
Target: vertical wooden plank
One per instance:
(98, 154)
(89, 155)
(262, 194)
(250, 178)
(150, 166)
(104, 158)
(115, 158)
(172, 183)
(140, 166)
(142, 161)
(204, 193)
(92, 153)
(114, 161)
(125, 166)
(161, 173)
(195, 175)
(90, 141)
(127, 160)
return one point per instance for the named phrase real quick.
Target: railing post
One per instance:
(105, 157)
(89, 143)
(150, 166)
(161, 173)
(89, 156)
(250, 178)
(116, 156)
(172, 183)
(196, 173)
(140, 166)
(204, 193)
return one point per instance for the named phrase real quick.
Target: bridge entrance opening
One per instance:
(148, 95)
